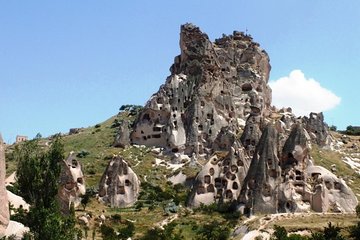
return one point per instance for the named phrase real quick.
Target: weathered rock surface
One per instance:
(122, 138)
(259, 191)
(4, 207)
(296, 186)
(317, 128)
(212, 85)
(218, 91)
(119, 186)
(72, 183)
(221, 178)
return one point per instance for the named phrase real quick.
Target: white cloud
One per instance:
(301, 94)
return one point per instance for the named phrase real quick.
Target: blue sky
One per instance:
(70, 63)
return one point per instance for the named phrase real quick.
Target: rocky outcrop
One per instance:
(72, 183)
(212, 85)
(221, 178)
(4, 207)
(122, 138)
(259, 190)
(330, 193)
(317, 128)
(216, 92)
(119, 186)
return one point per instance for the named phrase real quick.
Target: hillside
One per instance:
(207, 157)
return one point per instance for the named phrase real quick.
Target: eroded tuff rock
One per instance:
(291, 183)
(72, 183)
(217, 91)
(119, 185)
(317, 128)
(260, 185)
(221, 178)
(4, 207)
(122, 138)
(212, 85)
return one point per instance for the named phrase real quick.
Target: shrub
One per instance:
(82, 154)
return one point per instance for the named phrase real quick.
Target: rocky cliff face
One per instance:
(222, 176)
(215, 106)
(212, 85)
(4, 208)
(119, 186)
(72, 184)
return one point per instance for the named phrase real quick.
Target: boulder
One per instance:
(119, 185)
(4, 207)
(72, 183)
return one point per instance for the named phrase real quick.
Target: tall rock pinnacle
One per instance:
(212, 85)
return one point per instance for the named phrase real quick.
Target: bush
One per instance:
(82, 154)
(214, 231)
(97, 125)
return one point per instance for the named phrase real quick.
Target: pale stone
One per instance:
(119, 186)
(4, 207)
(72, 183)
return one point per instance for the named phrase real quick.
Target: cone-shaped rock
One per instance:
(221, 178)
(119, 185)
(259, 191)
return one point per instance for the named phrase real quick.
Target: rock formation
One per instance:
(72, 183)
(212, 85)
(4, 208)
(259, 190)
(291, 183)
(217, 92)
(221, 178)
(317, 129)
(119, 186)
(122, 138)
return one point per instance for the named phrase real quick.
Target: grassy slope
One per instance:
(326, 158)
(97, 140)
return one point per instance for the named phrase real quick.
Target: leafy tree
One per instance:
(333, 128)
(38, 136)
(355, 231)
(167, 234)
(38, 173)
(127, 232)
(332, 232)
(214, 231)
(280, 233)
(85, 199)
(108, 232)
(357, 210)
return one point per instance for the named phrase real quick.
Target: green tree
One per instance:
(332, 232)
(355, 231)
(38, 173)
(214, 231)
(280, 233)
